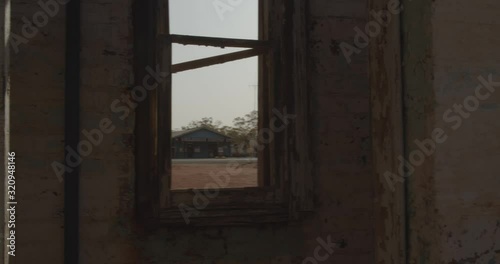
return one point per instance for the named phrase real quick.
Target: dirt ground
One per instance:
(197, 175)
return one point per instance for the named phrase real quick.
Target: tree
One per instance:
(207, 122)
(244, 131)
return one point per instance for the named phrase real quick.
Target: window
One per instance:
(214, 104)
(284, 188)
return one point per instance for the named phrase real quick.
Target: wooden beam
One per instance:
(218, 42)
(164, 110)
(191, 65)
(144, 29)
(265, 64)
(301, 163)
(387, 139)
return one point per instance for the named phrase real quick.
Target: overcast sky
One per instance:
(224, 91)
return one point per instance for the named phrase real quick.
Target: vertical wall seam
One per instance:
(72, 131)
(406, 242)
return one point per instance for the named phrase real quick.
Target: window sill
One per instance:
(241, 215)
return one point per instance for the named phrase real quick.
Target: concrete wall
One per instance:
(37, 129)
(454, 203)
(340, 95)
(466, 165)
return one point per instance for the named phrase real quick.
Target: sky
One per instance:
(224, 91)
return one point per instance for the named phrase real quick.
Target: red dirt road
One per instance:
(197, 175)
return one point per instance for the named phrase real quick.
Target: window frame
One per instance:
(288, 191)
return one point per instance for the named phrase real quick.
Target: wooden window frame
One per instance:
(287, 192)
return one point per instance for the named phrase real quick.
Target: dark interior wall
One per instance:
(341, 132)
(37, 130)
(454, 214)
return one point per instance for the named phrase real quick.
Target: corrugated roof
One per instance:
(182, 132)
(176, 134)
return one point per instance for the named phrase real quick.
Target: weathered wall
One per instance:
(37, 75)
(454, 206)
(340, 95)
(37, 133)
(466, 165)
